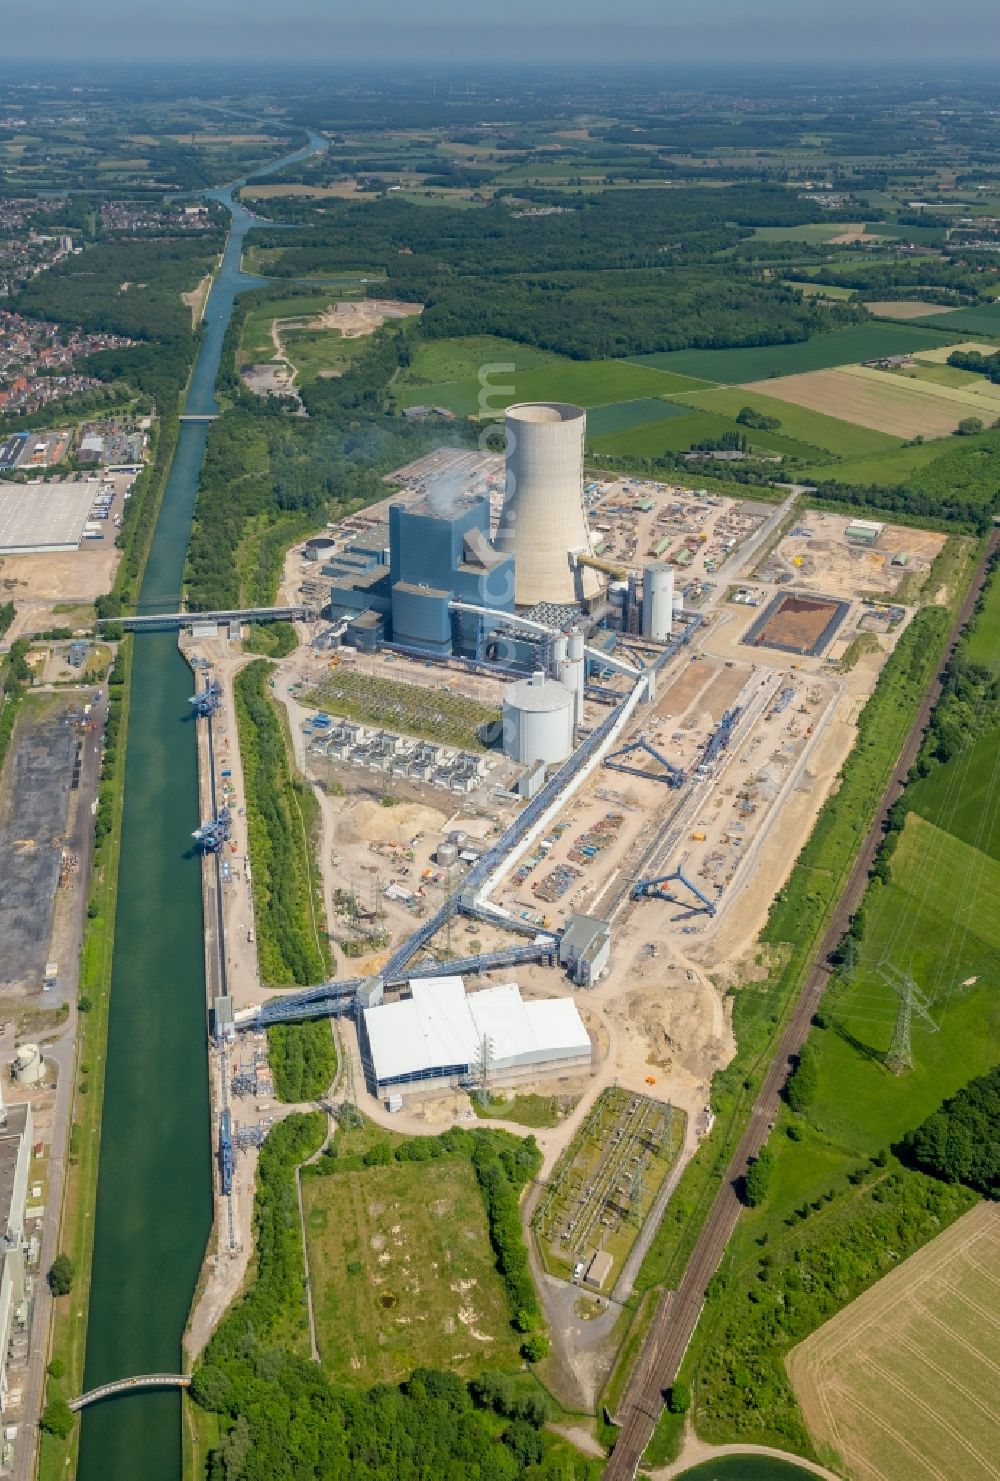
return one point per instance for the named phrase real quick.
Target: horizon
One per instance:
(771, 35)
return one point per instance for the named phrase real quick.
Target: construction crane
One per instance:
(652, 889)
(210, 836)
(207, 701)
(721, 737)
(670, 774)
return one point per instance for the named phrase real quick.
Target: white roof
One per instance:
(442, 1026)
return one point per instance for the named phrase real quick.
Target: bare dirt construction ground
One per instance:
(197, 299)
(914, 309)
(358, 317)
(798, 622)
(819, 552)
(894, 406)
(903, 1382)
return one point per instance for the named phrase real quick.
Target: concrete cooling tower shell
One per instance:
(542, 522)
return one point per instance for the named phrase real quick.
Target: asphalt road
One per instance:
(678, 1312)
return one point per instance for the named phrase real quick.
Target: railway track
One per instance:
(678, 1311)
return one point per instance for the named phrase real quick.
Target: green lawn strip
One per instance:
(821, 352)
(798, 423)
(442, 361)
(982, 646)
(69, 1324)
(526, 1110)
(291, 947)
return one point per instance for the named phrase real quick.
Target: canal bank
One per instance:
(154, 1194)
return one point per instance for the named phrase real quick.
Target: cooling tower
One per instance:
(542, 523)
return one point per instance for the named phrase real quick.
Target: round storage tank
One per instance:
(29, 1067)
(538, 721)
(458, 837)
(447, 855)
(657, 602)
(319, 548)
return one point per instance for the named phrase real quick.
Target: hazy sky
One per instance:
(449, 31)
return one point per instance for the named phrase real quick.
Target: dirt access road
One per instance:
(678, 1311)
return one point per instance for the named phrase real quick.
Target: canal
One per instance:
(154, 1192)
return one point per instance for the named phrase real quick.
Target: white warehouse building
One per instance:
(438, 1033)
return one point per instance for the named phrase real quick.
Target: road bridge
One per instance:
(167, 621)
(129, 1385)
(191, 416)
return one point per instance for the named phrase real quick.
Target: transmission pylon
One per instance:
(484, 1062)
(899, 1059)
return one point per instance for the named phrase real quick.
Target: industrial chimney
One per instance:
(542, 523)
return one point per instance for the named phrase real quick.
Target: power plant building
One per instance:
(543, 524)
(538, 720)
(439, 1034)
(15, 1156)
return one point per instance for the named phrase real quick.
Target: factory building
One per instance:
(15, 1155)
(657, 602)
(538, 720)
(439, 1032)
(585, 948)
(542, 523)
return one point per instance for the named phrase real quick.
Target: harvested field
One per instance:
(939, 355)
(797, 623)
(909, 309)
(886, 403)
(339, 188)
(902, 1383)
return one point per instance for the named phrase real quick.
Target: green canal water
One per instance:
(154, 1193)
(747, 1468)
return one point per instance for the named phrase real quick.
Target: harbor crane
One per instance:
(211, 835)
(207, 701)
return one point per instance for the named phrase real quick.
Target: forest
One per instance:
(960, 1142)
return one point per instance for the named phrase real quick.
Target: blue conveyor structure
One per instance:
(207, 701)
(211, 835)
(226, 1153)
(652, 889)
(671, 774)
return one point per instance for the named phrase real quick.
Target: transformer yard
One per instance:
(586, 802)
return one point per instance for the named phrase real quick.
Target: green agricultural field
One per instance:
(813, 233)
(937, 920)
(978, 320)
(897, 466)
(548, 378)
(822, 352)
(627, 416)
(403, 1274)
(800, 423)
(679, 433)
(819, 290)
(962, 795)
(441, 361)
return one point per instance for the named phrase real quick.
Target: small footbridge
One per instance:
(129, 1385)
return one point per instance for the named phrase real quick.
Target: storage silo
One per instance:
(542, 522)
(446, 854)
(538, 721)
(657, 602)
(29, 1067)
(571, 672)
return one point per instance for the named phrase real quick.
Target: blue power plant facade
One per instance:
(439, 551)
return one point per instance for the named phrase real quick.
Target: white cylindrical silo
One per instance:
(542, 522)
(572, 673)
(29, 1067)
(537, 721)
(657, 602)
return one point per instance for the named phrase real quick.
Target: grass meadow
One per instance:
(679, 432)
(799, 423)
(403, 1273)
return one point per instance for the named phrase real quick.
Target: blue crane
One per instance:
(670, 774)
(652, 889)
(207, 701)
(211, 835)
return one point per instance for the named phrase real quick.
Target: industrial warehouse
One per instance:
(441, 1032)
